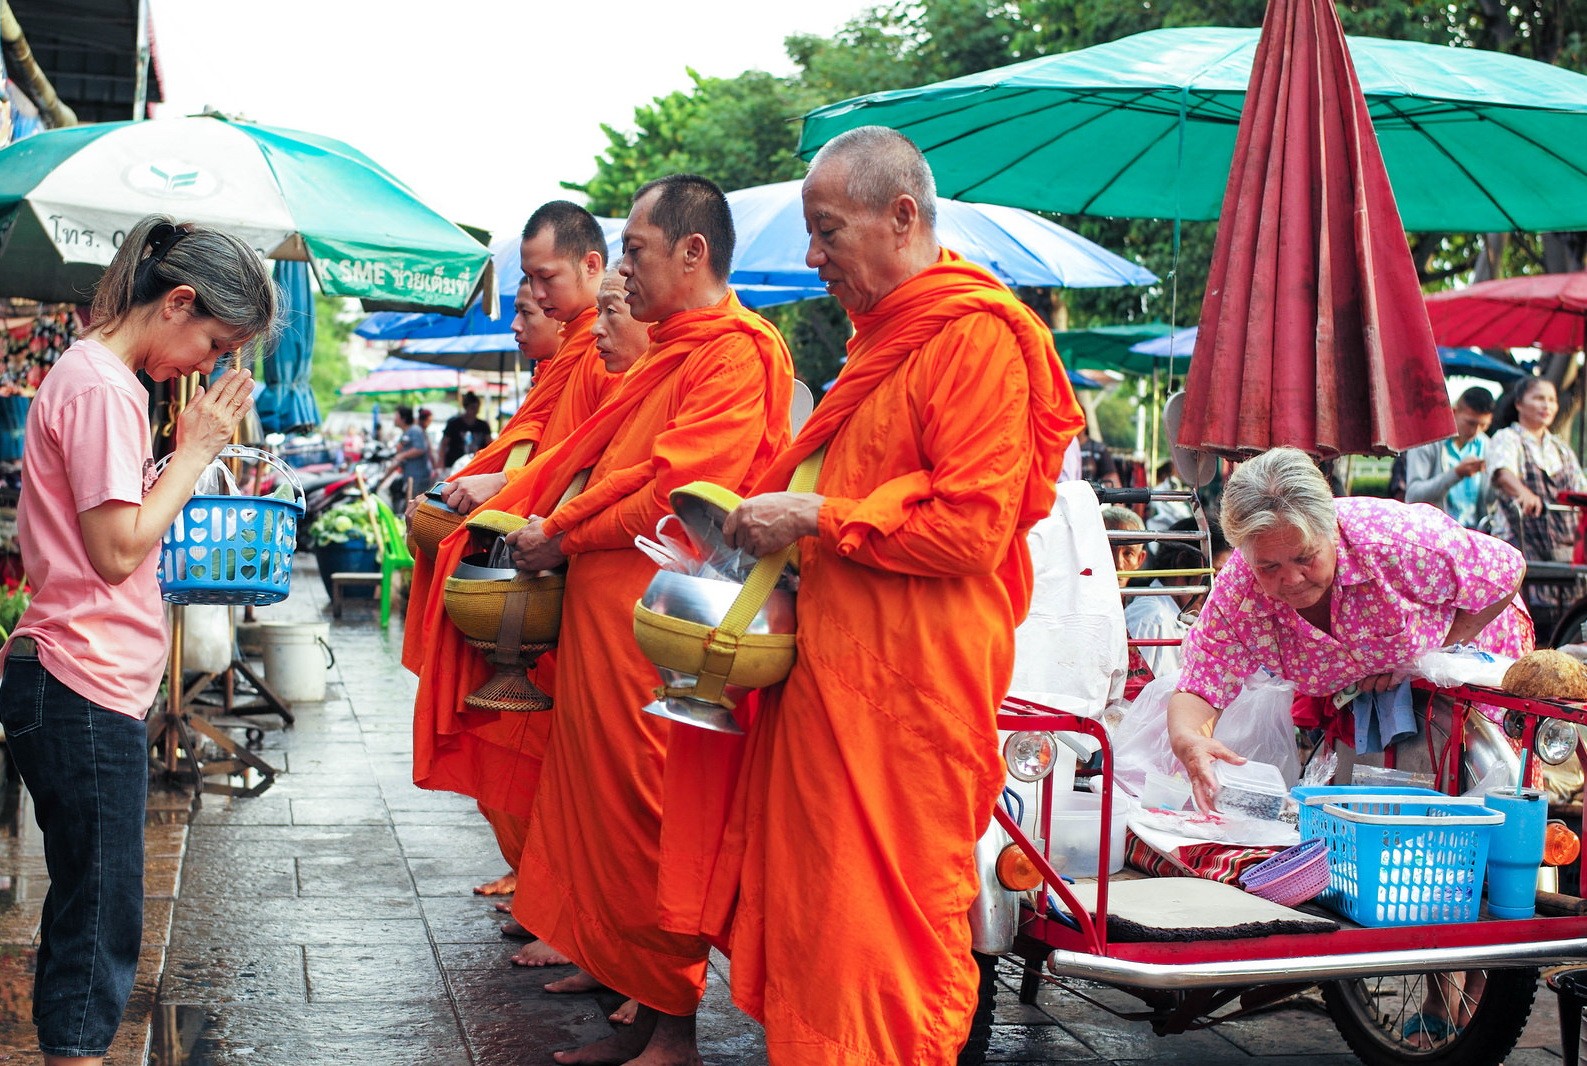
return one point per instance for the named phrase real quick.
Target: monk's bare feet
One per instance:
(616, 1049)
(505, 885)
(503, 906)
(539, 953)
(513, 931)
(625, 1014)
(575, 984)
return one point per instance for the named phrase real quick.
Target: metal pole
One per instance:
(140, 86)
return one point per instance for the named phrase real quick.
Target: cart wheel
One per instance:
(254, 737)
(1569, 630)
(980, 1040)
(1373, 1013)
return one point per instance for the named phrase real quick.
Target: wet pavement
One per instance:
(331, 920)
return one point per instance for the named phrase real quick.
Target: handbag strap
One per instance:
(519, 455)
(722, 644)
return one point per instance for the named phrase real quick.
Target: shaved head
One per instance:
(882, 165)
(576, 233)
(689, 203)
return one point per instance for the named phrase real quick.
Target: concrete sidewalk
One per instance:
(331, 920)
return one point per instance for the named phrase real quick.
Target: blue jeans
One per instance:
(87, 771)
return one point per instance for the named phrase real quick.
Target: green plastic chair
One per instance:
(394, 555)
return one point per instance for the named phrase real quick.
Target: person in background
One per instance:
(1530, 468)
(1128, 556)
(465, 432)
(85, 661)
(1164, 513)
(1097, 464)
(412, 461)
(1168, 616)
(1452, 473)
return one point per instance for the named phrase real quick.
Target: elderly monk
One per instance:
(491, 757)
(873, 769)
(709, 401)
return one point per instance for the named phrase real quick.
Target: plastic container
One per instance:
(1400, 856)
(1075, 835)
(1253, 789)
(1516, 851)
(296, 659)
(1165, 792)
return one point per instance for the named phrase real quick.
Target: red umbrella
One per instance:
(1547, 311)
(1312, 332)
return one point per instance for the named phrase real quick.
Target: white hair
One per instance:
(883, 165)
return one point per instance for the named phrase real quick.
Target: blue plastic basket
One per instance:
(232, 549)
(1399, 856)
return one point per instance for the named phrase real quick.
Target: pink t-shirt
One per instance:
(1404, 569)
(88, 443)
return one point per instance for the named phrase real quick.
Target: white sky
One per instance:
(481, 106)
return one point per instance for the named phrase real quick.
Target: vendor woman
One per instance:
(1331, 593)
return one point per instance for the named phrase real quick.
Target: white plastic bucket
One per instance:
(296, 659)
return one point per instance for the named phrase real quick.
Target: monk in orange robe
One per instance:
(873, 769)
(709, 401)
(495, 757)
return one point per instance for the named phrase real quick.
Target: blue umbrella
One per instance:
(1468, 361)
(1472, 362)
(287, 401)
(1019, 247)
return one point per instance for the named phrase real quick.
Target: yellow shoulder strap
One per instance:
(722, 644)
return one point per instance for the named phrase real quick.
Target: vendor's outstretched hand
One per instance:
(768, 523)
(1199, 755)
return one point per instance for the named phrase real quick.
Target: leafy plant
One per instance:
(343, 524)
(13, 601)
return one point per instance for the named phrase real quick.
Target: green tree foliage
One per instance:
(330, 369)
(743, 131)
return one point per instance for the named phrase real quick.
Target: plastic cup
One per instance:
(1515, 851)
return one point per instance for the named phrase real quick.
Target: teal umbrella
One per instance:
(68, 196)
(287, 401)
(1144, 127)
(1111, 348)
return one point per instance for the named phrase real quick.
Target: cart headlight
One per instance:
(1560, 845)
(1015, 871)
(1030, 756)
(1554, 741)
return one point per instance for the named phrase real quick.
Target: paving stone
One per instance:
(352, 876)
(357, 811)
(462, 921)
(258, 876)
(208, 974)
(383, 972)
(458, 875)
(406, 1033)
(430, 842)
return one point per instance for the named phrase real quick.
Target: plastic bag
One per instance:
(1462, 664)
(216, 480)
(1256, 724)
(679, 549)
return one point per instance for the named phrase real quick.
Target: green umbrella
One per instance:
(67, 197)
(1108, 348)
(1144, 127)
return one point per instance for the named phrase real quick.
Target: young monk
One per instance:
(709, 401)
(495, 758)
(868, 779)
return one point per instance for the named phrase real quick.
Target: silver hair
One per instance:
(1121, 518)
(883, 164)
(1281, 487)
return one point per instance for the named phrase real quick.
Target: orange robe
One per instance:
(872, 770)
(709, 401)
(493, 757)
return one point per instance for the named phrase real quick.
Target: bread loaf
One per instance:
(1547, 674)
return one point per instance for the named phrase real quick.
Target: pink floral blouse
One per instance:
(1404, 569)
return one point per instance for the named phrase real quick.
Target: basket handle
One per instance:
(722, 645)
(1335, 796)
(243, 451)
(1486, 818)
